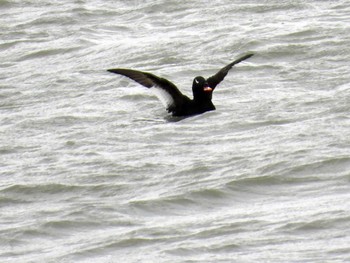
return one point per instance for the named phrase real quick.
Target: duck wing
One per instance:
(166, 91)
(213, 81)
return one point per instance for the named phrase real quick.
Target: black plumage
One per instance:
(172, 98)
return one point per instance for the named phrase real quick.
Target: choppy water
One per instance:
(93, 170)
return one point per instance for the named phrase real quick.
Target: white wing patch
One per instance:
(163, 96)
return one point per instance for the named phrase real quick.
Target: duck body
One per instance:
(175, 102)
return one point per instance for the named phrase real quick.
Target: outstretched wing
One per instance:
(166, 91)
(218, 77)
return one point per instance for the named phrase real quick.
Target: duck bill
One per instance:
(207, 89)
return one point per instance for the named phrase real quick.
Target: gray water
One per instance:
(94, 170)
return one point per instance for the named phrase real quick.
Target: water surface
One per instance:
(94, 170)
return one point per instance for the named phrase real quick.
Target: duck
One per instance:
(175, 102)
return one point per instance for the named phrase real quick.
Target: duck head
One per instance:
(201, 89)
